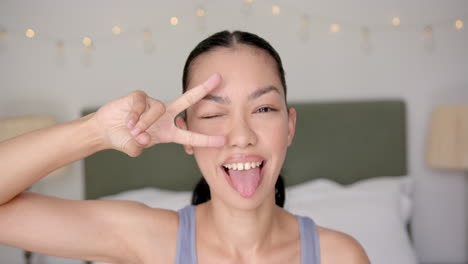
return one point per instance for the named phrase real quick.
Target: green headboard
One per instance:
(345, 141)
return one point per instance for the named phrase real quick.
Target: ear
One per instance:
(291, 125)
(180, 123)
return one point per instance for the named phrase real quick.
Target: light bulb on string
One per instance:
(147, 35)
(458, 24)
(428, 32)
(396, 21)
(174, 21)
(428, 38)
(275, 10)
(148, 44)
(201, 20)
(60, 59)
(116, 30)
(60, 46)
(29, 33)
(87, 42)
(365, 40)
(248, 1)
(335, 28)
(200, 12)
(3, 33)
(304, 28)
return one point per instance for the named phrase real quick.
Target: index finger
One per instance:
(195, 94)
(186, 137)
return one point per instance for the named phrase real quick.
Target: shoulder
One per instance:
(338, 247)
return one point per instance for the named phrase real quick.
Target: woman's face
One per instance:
(249, 109)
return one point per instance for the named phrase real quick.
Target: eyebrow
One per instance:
(257, 93)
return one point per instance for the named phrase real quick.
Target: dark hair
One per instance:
(226, 39)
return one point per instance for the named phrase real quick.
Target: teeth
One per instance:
(243, 166)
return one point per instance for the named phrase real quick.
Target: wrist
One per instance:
(94, 136)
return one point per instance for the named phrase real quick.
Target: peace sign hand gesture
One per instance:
(137, 121)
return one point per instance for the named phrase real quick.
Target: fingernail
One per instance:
(135, 131)
(131, 123)
(212, 80)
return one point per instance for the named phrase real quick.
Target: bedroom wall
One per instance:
(36, 78)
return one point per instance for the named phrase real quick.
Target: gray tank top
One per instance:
(186, 245)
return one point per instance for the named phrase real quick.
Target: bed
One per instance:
(346, 169)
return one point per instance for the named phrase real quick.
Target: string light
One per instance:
(429, 44)
(174, 21)
(304, 28)
(428, 32)
(116, 30)
(200, 12)
(3, 33)
(29, 33)
(146, 35)
(87, 42)
(305, 21)
(275, 10)
(60, 46)
(365, 40)
(334, 28)
(249, 1)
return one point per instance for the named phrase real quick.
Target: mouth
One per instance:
(244, 177)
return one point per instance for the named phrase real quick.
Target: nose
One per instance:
(241, 134)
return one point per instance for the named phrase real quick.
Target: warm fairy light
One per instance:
(459, 24)
(87, 42)
(275, 10)
(147, 35)
(365, 33)
(29, 33)
(174, 21)
(305, 21)
(200, 12)
(334, 28)
(428, 32)
(248, 1)
(60, 46)
(116, 30)
(396, 21)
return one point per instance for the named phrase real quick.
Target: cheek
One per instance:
(273, 132)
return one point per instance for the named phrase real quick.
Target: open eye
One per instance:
(265, 109)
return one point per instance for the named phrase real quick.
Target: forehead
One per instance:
(242, 66)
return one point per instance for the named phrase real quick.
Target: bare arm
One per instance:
(110, 231)
(28, 158)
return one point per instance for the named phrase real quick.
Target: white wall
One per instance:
(35, 79)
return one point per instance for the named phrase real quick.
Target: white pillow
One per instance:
(403, 185)
(370, 211)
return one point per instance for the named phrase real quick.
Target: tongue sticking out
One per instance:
(245, 181)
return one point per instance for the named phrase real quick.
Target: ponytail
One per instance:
(201, 192)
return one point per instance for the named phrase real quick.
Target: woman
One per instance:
(237, 126)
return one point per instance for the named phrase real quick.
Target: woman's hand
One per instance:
(137, 121)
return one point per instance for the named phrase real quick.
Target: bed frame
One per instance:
(345, 141)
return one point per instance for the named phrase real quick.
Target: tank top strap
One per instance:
(310, 248)
(186, 248)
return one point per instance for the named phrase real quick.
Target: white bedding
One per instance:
(375, 211)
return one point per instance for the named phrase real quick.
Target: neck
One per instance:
(246, 231)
